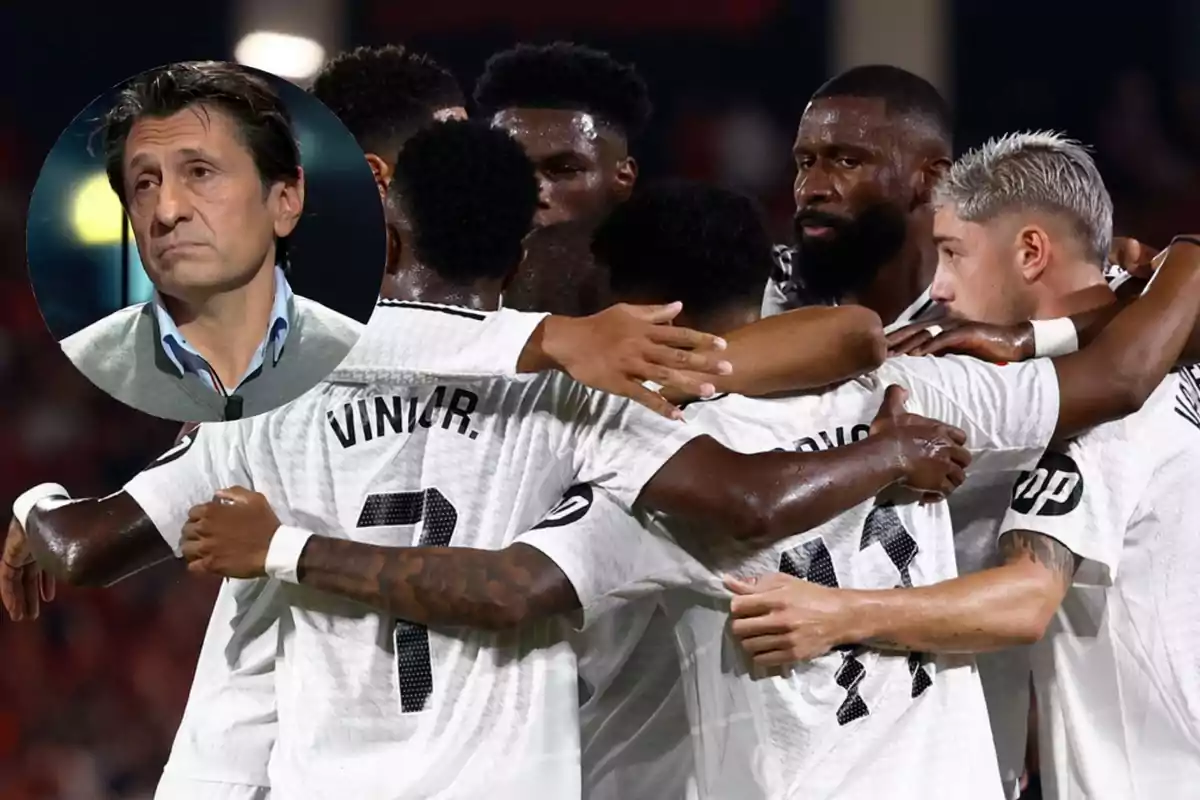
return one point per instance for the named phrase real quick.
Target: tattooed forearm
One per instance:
(1050, 553)
(489, 589)
(987, 610)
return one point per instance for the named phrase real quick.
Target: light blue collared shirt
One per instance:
(188, 361)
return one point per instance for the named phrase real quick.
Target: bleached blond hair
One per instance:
(1035, 170)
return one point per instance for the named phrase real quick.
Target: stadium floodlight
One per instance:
(96, 215)
(283, 54)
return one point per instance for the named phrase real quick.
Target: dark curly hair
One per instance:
(567, 76)
(469, 194)
(678, 240)
(261, 117)
(385, 94)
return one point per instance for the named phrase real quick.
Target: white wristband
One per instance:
(1054, 337)
(23, 505)
(283, 554)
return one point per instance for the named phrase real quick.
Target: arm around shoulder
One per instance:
(804, 349)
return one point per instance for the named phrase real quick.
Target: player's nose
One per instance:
(942, 289)
(814, 186)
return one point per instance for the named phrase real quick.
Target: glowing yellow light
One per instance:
(96, 213)
(282, 54)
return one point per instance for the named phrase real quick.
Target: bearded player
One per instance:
(1097, 541)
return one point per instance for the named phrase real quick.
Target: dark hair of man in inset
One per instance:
(385, 94)
(703, 245)
(262, 120)
(468, 193)
(564, 75)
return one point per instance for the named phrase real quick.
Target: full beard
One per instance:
(848, 262)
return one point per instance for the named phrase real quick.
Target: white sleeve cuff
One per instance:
(23, 505)
(283, 554)
(1054, 337)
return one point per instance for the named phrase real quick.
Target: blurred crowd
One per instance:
(91, 693)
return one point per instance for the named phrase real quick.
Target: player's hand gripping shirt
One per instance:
(1118, 673)
(370, 707)
(854, 723)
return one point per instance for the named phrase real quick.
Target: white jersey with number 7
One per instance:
(369, 706)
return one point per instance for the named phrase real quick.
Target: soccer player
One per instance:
(383, 95)
(374, 452)
(850, 722)
(1097, 539)
(1023, 170)
(869, 149)
(575, 110)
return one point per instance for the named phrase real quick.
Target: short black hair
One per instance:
(262, 119)
(903, 94)
(469, 194)
(693, 242)
(385, 94)
(566, 76)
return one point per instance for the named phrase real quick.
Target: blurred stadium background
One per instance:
(91, 693)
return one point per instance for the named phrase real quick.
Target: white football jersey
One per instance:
(228, 728)
(373, 707)
(1118, 673)
(632, 718)
(858, 722)
(977, 509)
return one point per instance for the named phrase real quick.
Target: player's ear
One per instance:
(395, 248)
(382, 173)
(512, 273)
(1033, 252)
(927, 177)
(624, 178)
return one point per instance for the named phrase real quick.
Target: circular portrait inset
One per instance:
(206, 241)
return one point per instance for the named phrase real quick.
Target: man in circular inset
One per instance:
(204, 160)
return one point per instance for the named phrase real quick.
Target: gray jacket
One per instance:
(123, 355)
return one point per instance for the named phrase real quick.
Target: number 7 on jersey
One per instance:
(393, 509)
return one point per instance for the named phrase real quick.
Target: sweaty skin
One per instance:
(864, 179)
(426, 585)
(583, 169)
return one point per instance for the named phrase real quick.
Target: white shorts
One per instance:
(174, 787)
